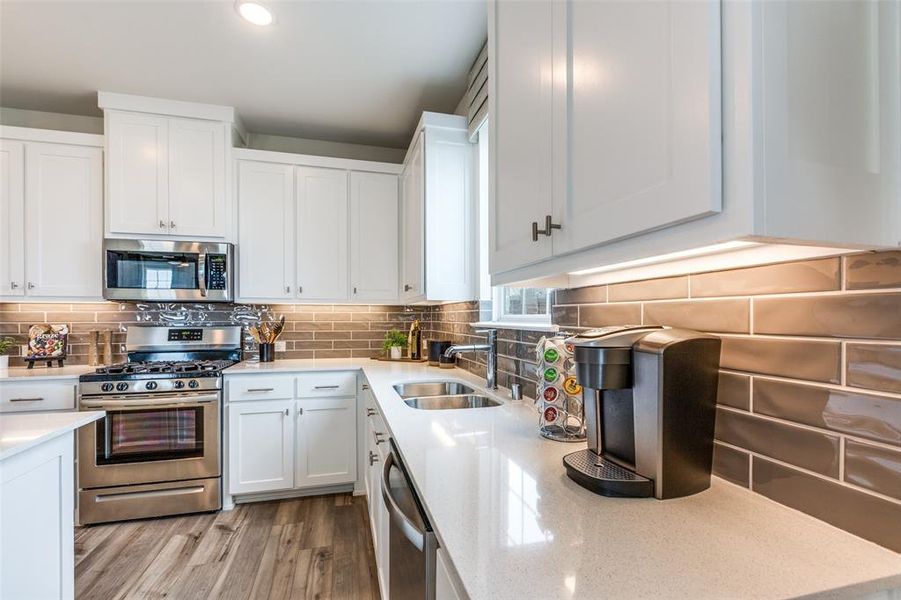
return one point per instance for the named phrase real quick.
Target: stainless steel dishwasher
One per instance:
(412, 545)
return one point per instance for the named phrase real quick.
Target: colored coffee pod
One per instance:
(551, 375)
(551, 355)
(550, 415)
(571, 386)
(550, 394)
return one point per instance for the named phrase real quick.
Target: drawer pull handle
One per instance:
(326, 387)
(377, 435)
(370, 412)
(365, 386)
(373, 458)
(260, 389)
(26, 399)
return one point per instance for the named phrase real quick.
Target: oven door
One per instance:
(148, 438)
(167, 271)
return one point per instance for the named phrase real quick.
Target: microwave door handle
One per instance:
(201, 273)
(409, 529)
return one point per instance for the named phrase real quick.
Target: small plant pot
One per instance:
(395, 352)
(267, 352)
(4, 361)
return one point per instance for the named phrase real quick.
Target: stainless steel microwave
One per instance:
(164, 271)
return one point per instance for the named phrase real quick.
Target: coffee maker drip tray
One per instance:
(605, 477)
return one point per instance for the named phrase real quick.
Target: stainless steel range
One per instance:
(157, 452)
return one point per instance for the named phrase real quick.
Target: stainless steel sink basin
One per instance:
(432, 388)
(451, 402)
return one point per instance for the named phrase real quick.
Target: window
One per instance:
(522, 304)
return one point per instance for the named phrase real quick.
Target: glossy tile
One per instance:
(734, 390)
(802, 447)
(732, 465)
(609, 314)
(799, 359)
(650, 289)
(586, 295)
(876, 270)
(565, 315)
(873, 467)
(717, 316)
(874, 366)
(865, 415)
(875, 316)
(806, 276)
(860, 513)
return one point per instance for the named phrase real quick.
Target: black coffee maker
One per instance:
(649, 397)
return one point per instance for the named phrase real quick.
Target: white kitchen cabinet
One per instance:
(266, 231)
(447, 583)
(51, 215)
(326, 442)
(12, 218)
(373, 236)
(634, 138)
(167, 168)
(63, 220)
(379, 519)
(261, 440)
(439, 257)
(322, 230)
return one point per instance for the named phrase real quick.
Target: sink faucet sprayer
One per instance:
(490, 348)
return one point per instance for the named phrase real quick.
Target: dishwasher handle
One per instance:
(416, 536)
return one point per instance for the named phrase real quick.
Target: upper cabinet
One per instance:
(627, 131)
(51, 214)
(438, 198)
(315, 229)
(167, 168)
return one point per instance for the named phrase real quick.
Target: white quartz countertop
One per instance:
(20, 432)
(516, 527)
(71, 372)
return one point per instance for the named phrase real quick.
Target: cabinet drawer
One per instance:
(315, 385)
(255, 387)
(21, 396)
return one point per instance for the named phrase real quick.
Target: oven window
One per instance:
(151, 271)
(148, 435)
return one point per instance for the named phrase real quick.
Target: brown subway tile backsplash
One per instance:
(566, 316)
(734, 390)
(860, 513)
(586, 295)
(873, 467)
(599, 315)
(802, 359)
(652, 289)
(873, 316)
(873, 270)
(806, 276)
(715, 316)
(874, 367)
(864, 415)
(803, 447)
(731, 464)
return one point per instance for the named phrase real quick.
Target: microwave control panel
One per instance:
(216, 271)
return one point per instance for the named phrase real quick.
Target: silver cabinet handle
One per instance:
(299, 411)
(260, 389)
(287, 289)
(549, 227)
(378, 439)
(326, 387)
(365, 386)
(407, 287)
(373, 458)
(300, 289)
(13, 285)
(370, 412)
(26, 399)
(30, 286)
(162, 224)
(287, 412)
(171, 224)
(355, 289)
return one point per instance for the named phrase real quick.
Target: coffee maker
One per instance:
(649, 396)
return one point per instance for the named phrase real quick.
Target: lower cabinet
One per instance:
(376, 453)
(285, 444)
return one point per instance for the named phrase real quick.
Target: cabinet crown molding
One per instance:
(162, 106)
(51, 136)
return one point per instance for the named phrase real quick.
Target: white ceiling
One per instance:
(348, 71)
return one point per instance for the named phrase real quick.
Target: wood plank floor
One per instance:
(317, 547)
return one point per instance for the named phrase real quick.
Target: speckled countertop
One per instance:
(70, 372)
(516, 527)
(20, 432)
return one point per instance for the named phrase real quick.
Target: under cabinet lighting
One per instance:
(254, 12)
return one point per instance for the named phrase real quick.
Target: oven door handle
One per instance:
(409, 529)
(201, 273)
(139, 404)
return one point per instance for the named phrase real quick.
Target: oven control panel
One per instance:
(186, 335)
(143, 386)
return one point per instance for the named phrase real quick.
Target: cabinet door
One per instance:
(63, 220)
(137, 173)
(413, 249)
(321, 233)
(260, 446)
(643, 118)
(326, 442)
(197, 178)
(12, 218)
(373, 236)
(520, 50)
(266, 231)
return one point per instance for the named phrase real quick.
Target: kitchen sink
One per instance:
(451, 402)
(432, 388)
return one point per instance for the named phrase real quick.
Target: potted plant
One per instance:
(6, 345)
(394, 343)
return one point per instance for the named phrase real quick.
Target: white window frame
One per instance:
(500, 316)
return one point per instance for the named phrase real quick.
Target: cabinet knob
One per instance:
(407, 287)
(172, 224)
(287, 412)
(30, 286)
(300, 289)
(162, 224)
(287, 289)
(370, 412)
(299, 411)
(373, 458)
(378, 437)
(355, 290)
(13, 285)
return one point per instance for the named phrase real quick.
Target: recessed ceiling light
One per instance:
(255, 12)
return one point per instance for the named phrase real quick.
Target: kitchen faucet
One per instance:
(490, 348)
